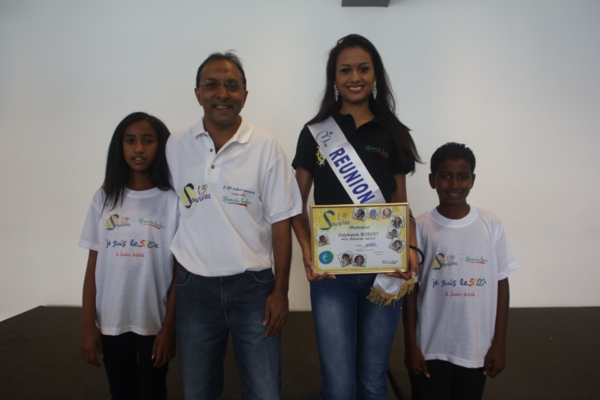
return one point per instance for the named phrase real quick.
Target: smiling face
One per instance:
(222, 106)
(140, 144)
(354, 75)
(453, 182)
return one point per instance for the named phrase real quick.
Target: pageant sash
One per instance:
(361, 187)
(345, 162)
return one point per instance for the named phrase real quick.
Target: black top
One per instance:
(373, 144)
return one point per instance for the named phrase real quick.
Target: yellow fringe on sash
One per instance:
(382, 298)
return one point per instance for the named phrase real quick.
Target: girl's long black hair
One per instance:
(383, 107)
(117, 170)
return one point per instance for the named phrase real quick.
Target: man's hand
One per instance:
(276, 313)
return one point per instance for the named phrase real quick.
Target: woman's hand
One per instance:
(311, 272)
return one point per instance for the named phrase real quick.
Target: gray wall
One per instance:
(517, 80)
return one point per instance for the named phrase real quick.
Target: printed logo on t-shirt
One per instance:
(377, 150)
(194, 194)
(131, 248)
(150, 222)
(115, 222)
(320, 158)
(476, 260)
(440, 261)
(238, 196)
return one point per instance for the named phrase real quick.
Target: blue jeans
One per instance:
(129, 368)
(354, 337)
(208, 309)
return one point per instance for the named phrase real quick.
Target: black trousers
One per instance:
(448, 382)
(128, 363)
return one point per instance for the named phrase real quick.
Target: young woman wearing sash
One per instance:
(355, 315)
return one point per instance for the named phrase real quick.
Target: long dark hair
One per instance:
(383, 107)
(117, 170)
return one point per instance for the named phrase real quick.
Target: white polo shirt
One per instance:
(229, 200)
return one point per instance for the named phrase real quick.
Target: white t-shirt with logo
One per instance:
(230, 199)
(458, 285)
(134, 269)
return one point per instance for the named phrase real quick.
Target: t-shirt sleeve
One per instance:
(505, 257)
(281, 196)
(90, 238)
(306, 151)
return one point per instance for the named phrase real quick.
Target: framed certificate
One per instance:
(360, 238)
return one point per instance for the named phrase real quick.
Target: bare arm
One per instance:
(495, 359)
(91, 341)
(301, 226)
(277, 308)
(164, 348)
(400, 196)
(413, 358)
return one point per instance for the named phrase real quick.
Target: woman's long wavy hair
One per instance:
(117, 170)
(383, 107)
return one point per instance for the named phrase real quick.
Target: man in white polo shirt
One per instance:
(237, 194)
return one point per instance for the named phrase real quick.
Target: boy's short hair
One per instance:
(452, 150)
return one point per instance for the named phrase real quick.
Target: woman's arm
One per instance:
(301, 226)
(400, 196)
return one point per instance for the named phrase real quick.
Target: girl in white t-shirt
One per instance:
(128, 309)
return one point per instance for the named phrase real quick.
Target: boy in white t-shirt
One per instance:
(455, 321)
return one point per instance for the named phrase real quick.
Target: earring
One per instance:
(336, 93)
(374, 91)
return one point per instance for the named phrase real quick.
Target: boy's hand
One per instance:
(163, 349)
(494, 361)
(91, 345)
(415, 362)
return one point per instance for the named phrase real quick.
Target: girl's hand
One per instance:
(164, 349)
(91, 345)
